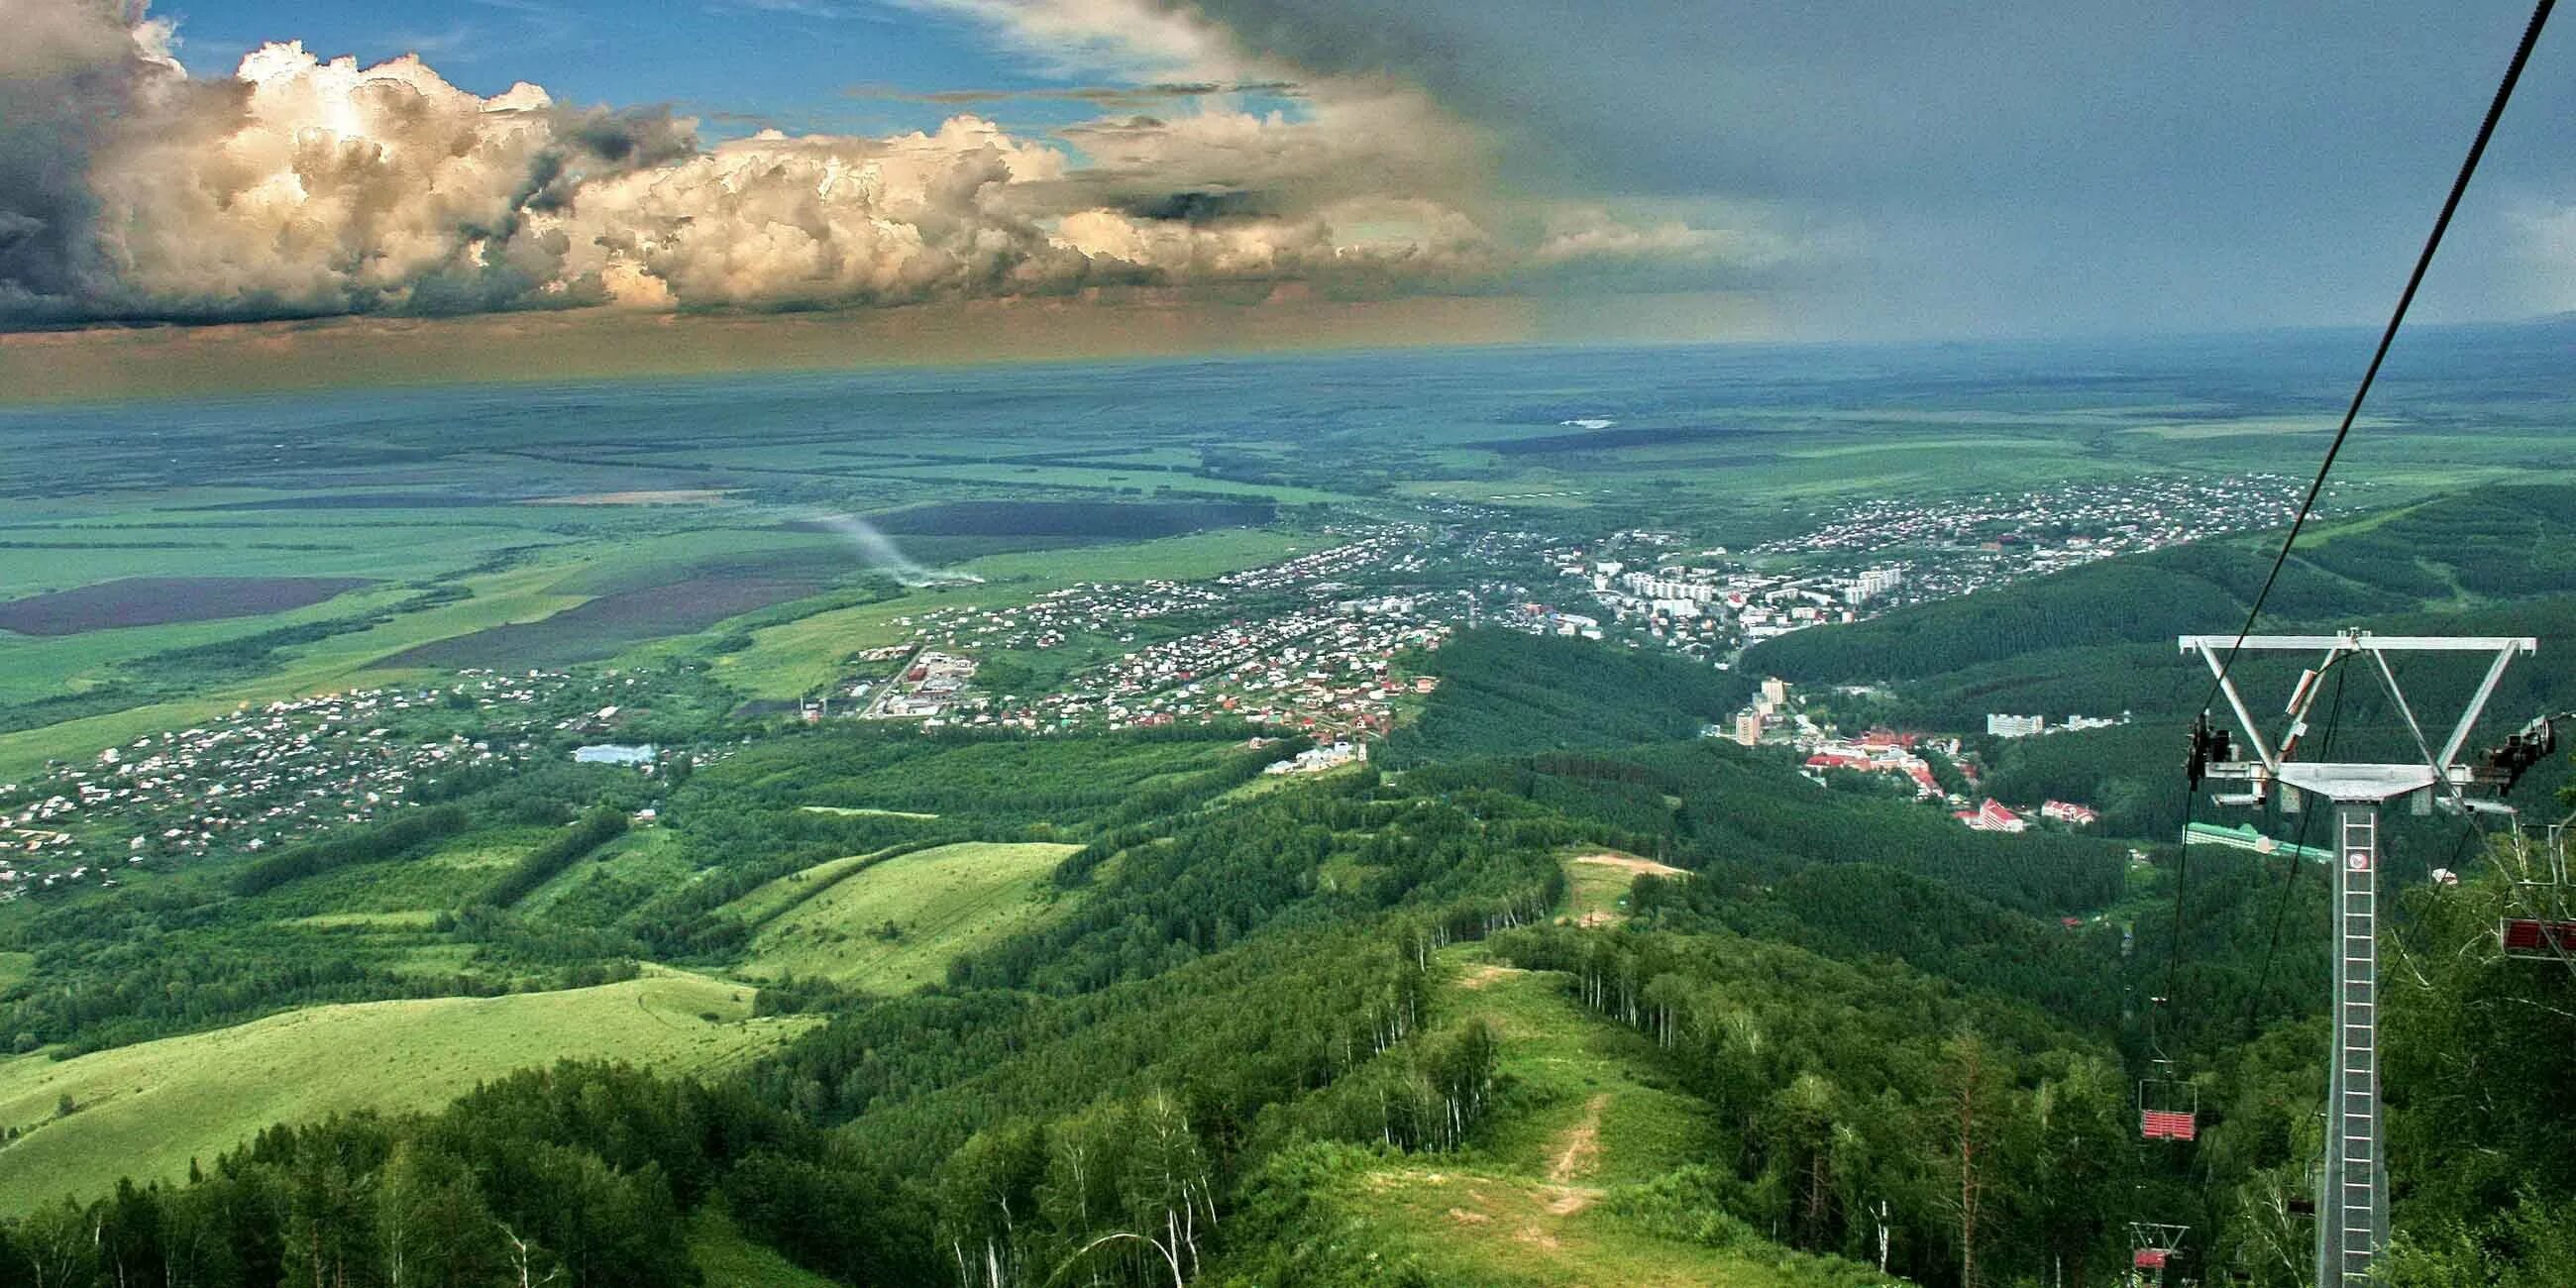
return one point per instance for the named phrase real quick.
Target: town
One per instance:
(1318, 644)
(1278, 649)
(272, 774)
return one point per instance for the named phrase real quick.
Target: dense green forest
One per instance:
(1509, 691)
(2496, 545)
(2099, 641)
(1242, 1000)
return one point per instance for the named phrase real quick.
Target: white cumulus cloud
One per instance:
(304, 186)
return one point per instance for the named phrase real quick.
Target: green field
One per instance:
(942, 902)
(482, 557)
(649, 855)
(792, 658)
(144, 1111)
(341, 662)
(390, 894)
(769, 899)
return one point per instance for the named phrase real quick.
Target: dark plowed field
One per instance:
(1126, 521)
(156, 601)
(599, 628)
(360, 501)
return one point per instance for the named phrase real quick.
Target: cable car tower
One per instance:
(2352, 1192)
(2152, 1248)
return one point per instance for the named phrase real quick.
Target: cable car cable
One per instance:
(2343, 430)
(2388, 336)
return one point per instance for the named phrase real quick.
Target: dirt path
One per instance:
(1579, 1149)
(1578, 1152)
(1631, 864)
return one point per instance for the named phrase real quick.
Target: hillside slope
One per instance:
(1562, 1189)
(144, 1111)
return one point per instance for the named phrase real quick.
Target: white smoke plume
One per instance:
(300, 187)
(882, 554)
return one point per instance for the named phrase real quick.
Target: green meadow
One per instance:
(896, 925)
(1597, 882)
(771, 898)
(146, 1110)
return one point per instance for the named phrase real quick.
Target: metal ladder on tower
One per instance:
(2355, 1212)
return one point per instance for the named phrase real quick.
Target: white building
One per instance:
(2004, 726)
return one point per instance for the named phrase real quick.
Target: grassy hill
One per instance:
(145, 1110)
(940, 902)
(1563, 1188)
(772, 898)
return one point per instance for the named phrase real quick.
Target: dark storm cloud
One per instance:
(2016, 162)
(69, 73)
(1195, 206)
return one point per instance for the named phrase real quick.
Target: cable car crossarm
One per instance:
(2269, 757)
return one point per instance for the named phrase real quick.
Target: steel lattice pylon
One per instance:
(2352, 1193)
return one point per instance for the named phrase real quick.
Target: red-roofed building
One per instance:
(2069, 812)
(1991, 817)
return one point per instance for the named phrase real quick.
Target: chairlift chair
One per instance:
(2541, 886)
(2168, 1107)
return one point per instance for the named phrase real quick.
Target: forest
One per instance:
(1242, 1002)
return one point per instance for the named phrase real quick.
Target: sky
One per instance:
(1203, 172)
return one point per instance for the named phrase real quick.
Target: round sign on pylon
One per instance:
(2357, 860)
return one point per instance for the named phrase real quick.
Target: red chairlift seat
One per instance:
(2532, 936)
(2150, 1258)
(2168, 1124)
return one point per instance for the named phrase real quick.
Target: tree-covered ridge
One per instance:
(2497, 545)
(223, 943)
(1505, 692)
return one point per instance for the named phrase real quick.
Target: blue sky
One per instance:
(794, 62)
